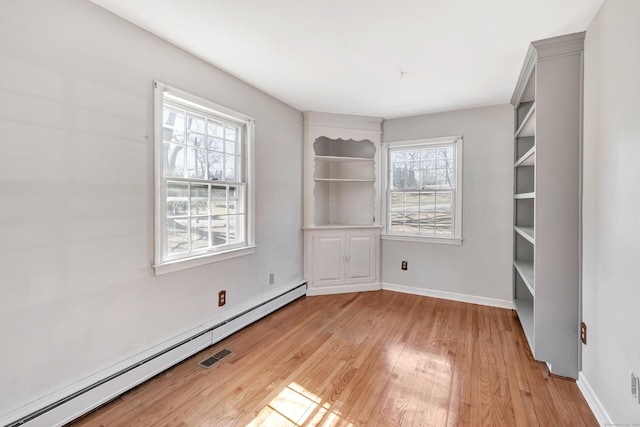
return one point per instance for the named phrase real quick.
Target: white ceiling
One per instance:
(366, 57)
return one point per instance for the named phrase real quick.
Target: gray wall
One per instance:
(77, 291)
(481, 266)
(611, 237)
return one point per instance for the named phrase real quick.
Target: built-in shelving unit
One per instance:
(547, 132)
(341, 202)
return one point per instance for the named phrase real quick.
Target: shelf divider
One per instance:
(528, 126)
(527, 159)
(525, 269)
(526, 232)
(339, 159)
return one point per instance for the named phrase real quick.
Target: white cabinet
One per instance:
(341, 202)
(344, 259)
(547, 145)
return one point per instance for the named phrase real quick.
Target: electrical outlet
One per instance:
(222, 298)
(405, 265)
(583, 333)
(634, 387)
(272, 278)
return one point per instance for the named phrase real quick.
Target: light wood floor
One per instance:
(367, 359)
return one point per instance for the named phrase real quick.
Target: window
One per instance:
(204, 188)
(423, 196)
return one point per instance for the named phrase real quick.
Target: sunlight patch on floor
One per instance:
(296, 406)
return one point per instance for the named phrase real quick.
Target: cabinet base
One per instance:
(342, 289)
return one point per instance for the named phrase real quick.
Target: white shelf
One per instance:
(336, 159)
(546, 257)
(528, 126)
(525, 269)
(528, 159)
(342, 180)
(526, 232)
(531, 195)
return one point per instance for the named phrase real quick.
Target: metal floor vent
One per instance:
(207, 363)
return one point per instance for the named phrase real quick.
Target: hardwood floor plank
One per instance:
(369, 359)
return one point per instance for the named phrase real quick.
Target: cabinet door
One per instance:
(328, 262)
(361, 261)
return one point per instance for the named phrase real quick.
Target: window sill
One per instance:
(423, 239)
(183, 264)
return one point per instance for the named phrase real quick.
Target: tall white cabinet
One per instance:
(547, 177)
(341, 203)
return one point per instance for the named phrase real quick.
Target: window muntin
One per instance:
(202, 192)
(422, 195)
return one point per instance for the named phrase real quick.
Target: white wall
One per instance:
(481, 266)
(77, 292)
(611, 237)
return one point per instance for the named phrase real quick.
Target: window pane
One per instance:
(196, 139)
(444, 178)
(215, 165)
(412, 176)
(199, 233)
(445, 153)
(231, 134)
(230, 167)
(196, 161)
(443, 201)
(216, 144)
(444, 212)
(177, 199)
(236, 225)
(427, 222)
(216, 129)
(173, 124)
(399, 178)
(177, 235)
(173, 135)
(412, 155)
(219, 230)
(236, 201)
(173, 160)
(218, 200)
(230, 147)
(428, 154)
(443, 224)
(427, 202)
(397, 156)
(429, 178)
(397, 202)
(429, 165)
(199, 199)
(195, 123)
(397, 221)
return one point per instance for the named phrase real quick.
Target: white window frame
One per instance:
(456, 238)
(163, 262)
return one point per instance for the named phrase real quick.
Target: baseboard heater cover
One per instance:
(75, 405)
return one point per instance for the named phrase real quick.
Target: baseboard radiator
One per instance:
(73, 406)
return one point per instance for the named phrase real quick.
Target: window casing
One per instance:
(423, 190)
(204, 181)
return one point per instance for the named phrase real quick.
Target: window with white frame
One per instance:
(203, 189)
(424, 190)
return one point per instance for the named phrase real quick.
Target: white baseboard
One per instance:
(73, 401)
(594, 403)
(342, 289)
(492, 302)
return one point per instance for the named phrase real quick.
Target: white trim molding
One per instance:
(473, 299)
(601, 414)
